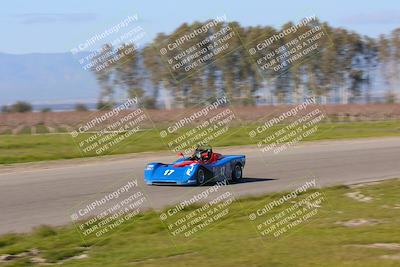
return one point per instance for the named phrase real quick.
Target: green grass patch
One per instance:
(44, 231)
(41, 128)
(61, 129)
(27, 148)
(321, 241)
(25, 130)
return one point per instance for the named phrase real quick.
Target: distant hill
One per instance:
(40, 77)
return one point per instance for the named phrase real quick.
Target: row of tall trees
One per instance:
(347, 68)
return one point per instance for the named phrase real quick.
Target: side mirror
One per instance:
(180, 154)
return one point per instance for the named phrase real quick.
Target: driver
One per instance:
(203, 154)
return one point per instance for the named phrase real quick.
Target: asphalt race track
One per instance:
(46, 193)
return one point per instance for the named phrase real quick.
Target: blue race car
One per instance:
(202, 167)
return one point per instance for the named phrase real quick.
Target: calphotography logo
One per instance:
(97, 53)
(198, 212)
(276, 53)
(200, 125)
(278, 133)
(283, 214)
(107, 130)
(99, 217)
(192, 49)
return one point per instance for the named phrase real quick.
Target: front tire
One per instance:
(237, 173)
(200, 176)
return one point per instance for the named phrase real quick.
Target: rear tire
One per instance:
(237, 173)
(200, 176)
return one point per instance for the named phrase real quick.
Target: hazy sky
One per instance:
(58, 26)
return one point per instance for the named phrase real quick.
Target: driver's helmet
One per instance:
(203, 152)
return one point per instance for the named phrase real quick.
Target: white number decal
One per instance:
(189, 171)
(168, 172)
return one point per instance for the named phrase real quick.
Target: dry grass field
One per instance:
(56, 122)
